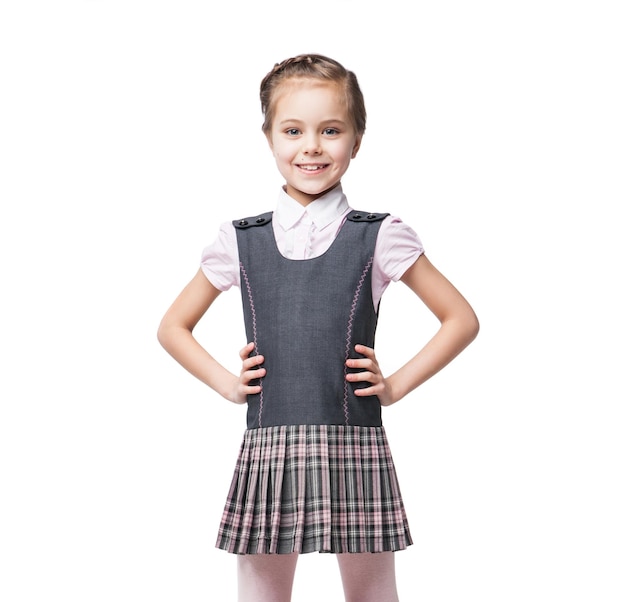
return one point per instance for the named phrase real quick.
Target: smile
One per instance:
(309, 167)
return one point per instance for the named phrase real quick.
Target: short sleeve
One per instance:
(220, 260)
(397, 248)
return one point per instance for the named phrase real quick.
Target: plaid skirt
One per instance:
(308, 488)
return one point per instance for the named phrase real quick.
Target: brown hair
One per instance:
(313, 66)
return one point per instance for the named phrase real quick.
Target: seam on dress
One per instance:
(355, 299)
(254, 333)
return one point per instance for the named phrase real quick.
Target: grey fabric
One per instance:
(305, 316)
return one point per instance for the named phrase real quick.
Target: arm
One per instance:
(175, 334)
(459, 327)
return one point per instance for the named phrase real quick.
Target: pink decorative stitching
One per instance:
(355, 299)
(254, 337)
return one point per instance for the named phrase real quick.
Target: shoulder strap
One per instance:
(366, 216)
(249, 222)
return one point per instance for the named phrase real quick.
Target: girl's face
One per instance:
(312, 137)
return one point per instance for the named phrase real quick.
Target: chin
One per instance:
(317, 190)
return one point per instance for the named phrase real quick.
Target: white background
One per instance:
(130, 129)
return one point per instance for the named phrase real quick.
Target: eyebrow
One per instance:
(325, 122)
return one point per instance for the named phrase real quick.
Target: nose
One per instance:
(312, 145)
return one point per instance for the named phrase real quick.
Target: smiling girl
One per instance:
(314, 472)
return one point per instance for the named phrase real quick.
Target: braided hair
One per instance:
(313, 66)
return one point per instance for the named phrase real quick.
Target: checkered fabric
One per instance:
(307, 488)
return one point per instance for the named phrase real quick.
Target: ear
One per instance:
(357, 145)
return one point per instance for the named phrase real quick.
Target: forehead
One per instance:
(303, 93)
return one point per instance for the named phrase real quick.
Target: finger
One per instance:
(363, 364)
(250, 389)
(365, 392)
(252, 362)
(246, 351)
(363, 350)
(357, 377)
(250, 375)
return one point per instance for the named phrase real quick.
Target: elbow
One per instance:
(472, 326)
(162, 335)
(170, 334)
(476, 328)
(466, 325)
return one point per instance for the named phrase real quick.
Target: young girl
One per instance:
(314, 471)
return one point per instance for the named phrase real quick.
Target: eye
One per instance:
(292, 132)
(331, 132)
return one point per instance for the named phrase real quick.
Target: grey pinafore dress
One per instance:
(314, 471)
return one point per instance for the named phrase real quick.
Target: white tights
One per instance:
(269, 577)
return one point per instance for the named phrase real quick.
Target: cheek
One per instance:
(348, 153)
(283, 153)
(343, 150)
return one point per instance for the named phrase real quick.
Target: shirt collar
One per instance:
(322, 211)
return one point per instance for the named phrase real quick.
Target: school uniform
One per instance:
(314, 472)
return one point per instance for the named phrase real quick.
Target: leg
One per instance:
(368, 577)
(266, 577)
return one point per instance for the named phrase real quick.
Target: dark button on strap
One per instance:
(260, 220)
(372, 216)
(357, 216)
(243, 222)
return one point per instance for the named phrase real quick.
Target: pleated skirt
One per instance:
(314, 488)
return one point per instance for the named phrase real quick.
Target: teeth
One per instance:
(311, 167)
